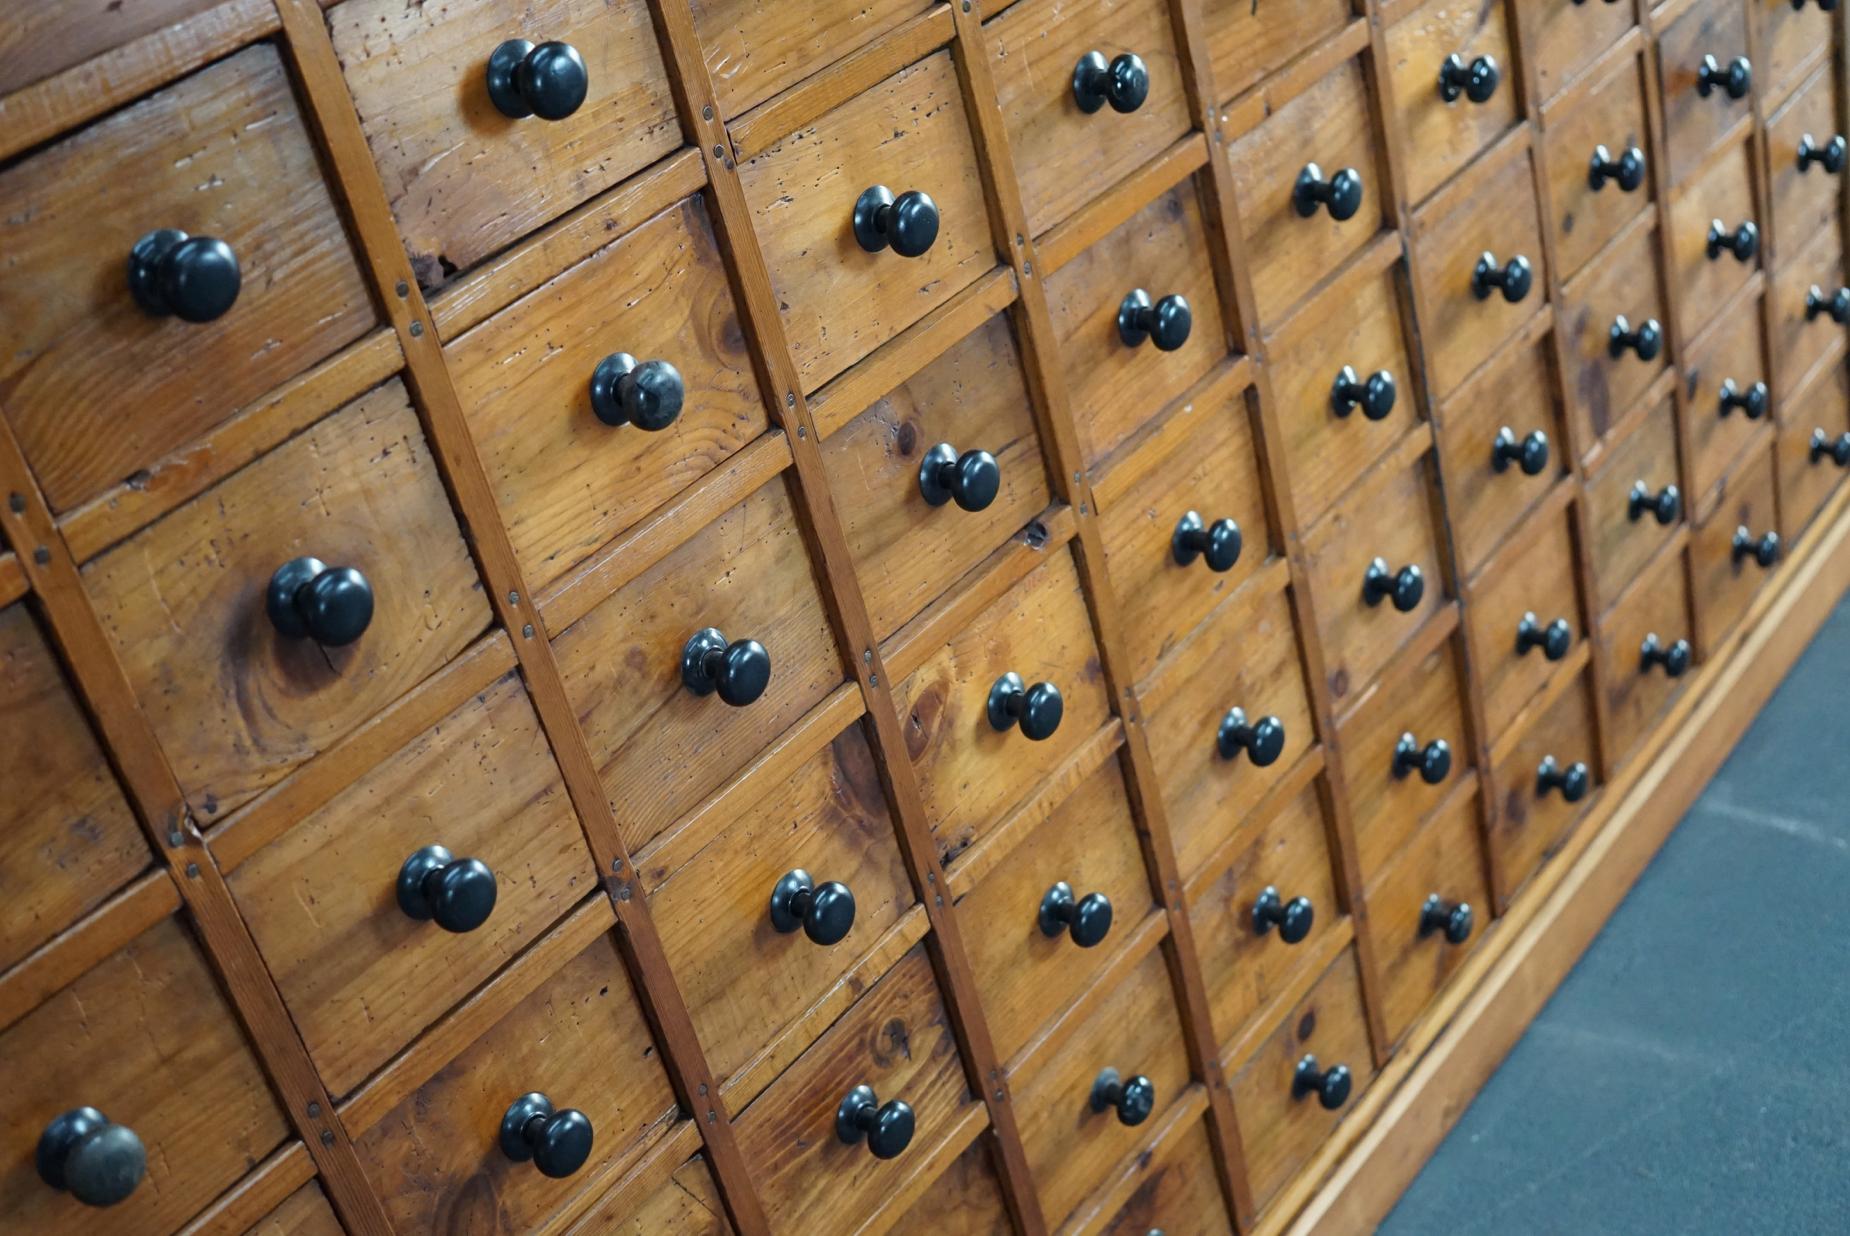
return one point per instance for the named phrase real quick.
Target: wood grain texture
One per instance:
(1621, 545)
(755, 49)
(1657, 604)
(305, 1213)
(966, 1200)
(1723, 583)
(1245, 41)
(1693, 124)
(1564, 40)
(1787, 41)
(1609, 112)
(1806, 482)
(1723, 189)
(1805, 204)
(1729, 351)
(1621, 282)
(42, 40)
(1440, 137)
(1534, 574)
(687, 1202)
(1528, 826)
(1178, 1192)
(1797, 342)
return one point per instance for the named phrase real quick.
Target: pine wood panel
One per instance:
(1440, 137)
(1534, 575)
(1657, 604)
(1178, 1193)
(1788, 39)
(1807, 479)
(1693, 124)
(754, 50)
(1621, 282)
(1564, 39)
(42, 40)
(688, 1202)
(1245, 41)
(1527, 825)
(1799, 341)
(305, 1213)
(1805, 202)
(965, 1201)
(1610, 112)
(1619, 544)
(1729, 351)
(1723, 583)
(1722, 190)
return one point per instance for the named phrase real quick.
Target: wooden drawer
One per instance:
(1281, 1123)
(465, 179)
(1247, 41)
(1592, 196)
(1695, 117)
(839, 301)
(1725, 383)
(438, 1152)
(1791, 37)
(1024, 975)
(1114, 386)
(1629, 496)
(1817, 418)
(304, 1213)
(687, 1204)
(1064, 155)
(1542, 785)
(746, 575)
(221, 154)
(1804, 294)
(1072, 1144)
(897, 1040)
(1564, 37)
(1803, 141)
(754, 51)
(965, 1201)
(184, 600)
(1427, 911)
(1283, 866)
(1325, 132)
(1612, 329)
(1732, 553)
(1444, 125)
(1526, 617)
(1490, 210)
(1637, 691)
(565, 481)
(971, 773)
(1200, 463)
(1180, 1192)
(1247, 658)
(1705, 270)
(49, 39)
(147, 1039)
(1381, 533)
(1488, 491)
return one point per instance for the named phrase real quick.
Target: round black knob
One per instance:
(1406, 586)
(1218, 543)
(457, 893)
(1331, 1086)
(1341, 194)
(1514, 278)
(1477, 81)
(1530, 453)
(98, 1163)
(1133, 1098)
(1664, 505)
(1829, 156)
(1292, 918)
(1823, 447)
(972, 479)
(1037, 709)
(558, 1142)
(1086, 919)
(647, 395)
(1824, 6)
(193, 278)
(1451, 917)
(825, 912)
(548, 80)
(1165, 323)
(1626, 171)
(1123, 82)
(1743, 241)
(1645, 342)
(1763, 549)
(1375, 396)
(1752, 401)
(1572, 781)
(1262, 740)
(739, 671)
(1837, 304)
(909, 223)
(1555, 639)
(331, 605)
(1434, 760)
(1737, 79)
(887, 1127)
(1674, 657)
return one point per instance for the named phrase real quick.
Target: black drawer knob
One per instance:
(458, 894)
(739, 670)
(1165, 323)
(1626, 171)
(1743, 241)
(1123, 82)
(1824, 6)
(971, 479)
(193, 278)
(908, 223)
(1829, 156)
(825, 912)
(1837, 450)
(1673, 657)
(646, 394)
(1292, 918)
(1454, 918)
(1132, 1098)
(1086, 919)
(1737, 79)
(331, 605)
(1375, 395)
(1572, 781)
(1476, 81)
(1530, 453)
(1645, 342)
(887, 1127)
(1514, 277)
(1837, 304)
(1555, 640)
(558, 1142)
(1217, 543)
(1036, 709)
(1433, 761)
(1752, 401)
(547, 80)
(1331, 1086)
(1262, 740)
(1406, 586)
(1340, 195)
(97, 1162)
(1664, 505)
(1763, 549)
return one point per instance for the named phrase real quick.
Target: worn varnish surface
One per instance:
(1621, 282)
(1692, 123)
(965, 1201)
(688, 1202)
(1442, 137)
(305, 1213)
(1805, 203)
(1729, 351)
(1245, 41)
(1721, 191)
(1563, 40)
(1526, 825)
(1722, 584)
(1483, 505)
(1610, 112)
(1657, 604)
(1805, 483)
(1621, 545)
(1799, 343)
(1535, 575)
(1177, 1193)
(755, 49)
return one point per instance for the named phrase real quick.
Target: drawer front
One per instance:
(464, 178)
(1790, 38)
(1179, 1193)
(1725, 383)
(896, 1040)
(1819, 417)
(746, 575)
(361, 976)
(1443, 126)
(1613, 330)
(1281, 1122)
(1525, 619)
(1803, 293)
(1806, 197)
(906, 550)
(1025, 976)
(1543, 785)
(1114, 386)
(1328, 125)
(1637, 691)
(1695, 121)
(184, 600)
(1071, 1145)
(1281, 879)
(1564, 37)
(565, 481)
(688, 1204)
(1627, 502)
(1247, 659)
(1247, 41)
(437, 1154)
(839, 301)
(147, 1039)
(1733, 552)
(1706, 271)
(221, 154)
(304, 1213)
(970, 773)
(1064, 155)
(756, 50)
(1488, 490)
(965, 1201)
(1589, 206)
(57, 38)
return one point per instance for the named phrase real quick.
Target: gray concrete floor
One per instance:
(1692, 1075)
